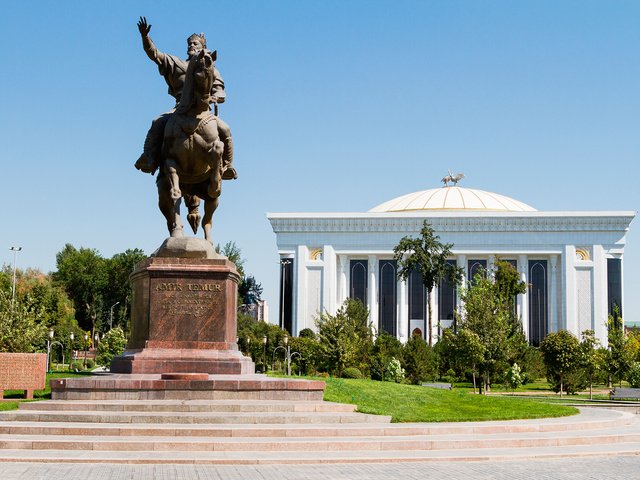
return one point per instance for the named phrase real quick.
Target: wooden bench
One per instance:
(621, 393)
(442, 386)
(22, 371)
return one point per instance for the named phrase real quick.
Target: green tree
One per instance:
(428, 256)
(249, 291)
(418, 360)
(233, 253)
(561, 353)
(21, 327)
(345, 339)
(112, 345)
(619, 355)
(591, 356)
(385, 347)
(462, 351)
(484, 315)
(117, 290)
(83, 274)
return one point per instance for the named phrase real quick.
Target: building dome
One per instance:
(452, 198)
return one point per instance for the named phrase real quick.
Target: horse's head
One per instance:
(198, 81)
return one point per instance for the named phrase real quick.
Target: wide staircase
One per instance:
(281, 431)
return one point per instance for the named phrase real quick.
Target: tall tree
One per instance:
(483, 315)
(427, 255)
(233, 253)
(562, 357)
(118, 287)
(249, 291)
(346, 338)
(83, 274)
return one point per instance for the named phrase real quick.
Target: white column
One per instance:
(491, 265)
(300, 305)
(461, 261)
(373, 290)
(523, 300)
(329, 280)
(599, 295)
(403, 311)
(433, 294)
(569, 270)
(343, 284)
(553, 294)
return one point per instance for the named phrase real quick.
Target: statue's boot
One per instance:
(228, 172)
(149, 161)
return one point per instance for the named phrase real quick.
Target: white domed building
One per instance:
(571, 261)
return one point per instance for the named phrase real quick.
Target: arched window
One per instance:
(387, 300)
(537, 301)
(359, 280)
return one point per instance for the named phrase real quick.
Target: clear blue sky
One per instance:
(334, 105)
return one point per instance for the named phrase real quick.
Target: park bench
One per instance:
(22, 371)
(440, 385)
(621, 393)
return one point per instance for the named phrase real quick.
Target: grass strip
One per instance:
(412, 403)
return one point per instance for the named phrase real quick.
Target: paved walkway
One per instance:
(597, 468)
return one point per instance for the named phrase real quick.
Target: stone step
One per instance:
(187, 406)
(71, 416)
(313, 444)
(619, 420)
(89, 435)
(316, 457)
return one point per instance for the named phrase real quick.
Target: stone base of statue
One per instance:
(183, 316)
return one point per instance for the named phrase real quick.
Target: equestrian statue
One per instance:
(190, 146)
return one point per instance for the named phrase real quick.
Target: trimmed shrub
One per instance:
(351, 372)
(633, 375)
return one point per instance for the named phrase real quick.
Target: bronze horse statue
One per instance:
(191, 164)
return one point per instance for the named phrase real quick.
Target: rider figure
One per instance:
(174, 69)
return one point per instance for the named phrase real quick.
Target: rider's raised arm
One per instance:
(150, 49)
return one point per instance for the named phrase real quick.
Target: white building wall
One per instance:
(522, 237)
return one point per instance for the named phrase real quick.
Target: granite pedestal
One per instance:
(183, 318)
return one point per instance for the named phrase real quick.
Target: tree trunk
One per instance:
(429, 333)
(590, 387)
(473, 374)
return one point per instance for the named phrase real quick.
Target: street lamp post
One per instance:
(86, 344)
(15, 251)
(71, 337)
(49, 338)
(111, 315)
(288, 354)
(264, 354)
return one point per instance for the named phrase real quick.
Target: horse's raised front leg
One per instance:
(210, 206)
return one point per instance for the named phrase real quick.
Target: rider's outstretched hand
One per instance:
(143, 27)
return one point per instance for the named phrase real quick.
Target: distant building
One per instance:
(259, 311)
(572, 262)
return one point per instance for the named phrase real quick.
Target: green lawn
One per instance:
(411, 403)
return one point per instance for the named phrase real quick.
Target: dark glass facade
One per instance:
(538, 306)
(286, 294)
(614, 285)
(475, 267)
(358, 275)
(387, 297)
(447, 298)
(417, 300)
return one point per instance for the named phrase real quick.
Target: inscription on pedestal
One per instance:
(188, 299)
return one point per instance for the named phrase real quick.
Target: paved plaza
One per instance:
(618, 467)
